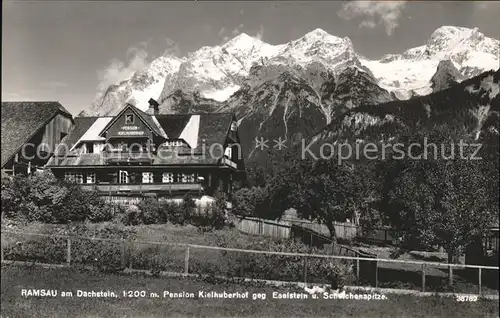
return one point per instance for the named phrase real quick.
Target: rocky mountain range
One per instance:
(218, 72)
(294, 90)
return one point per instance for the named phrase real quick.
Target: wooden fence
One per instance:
(281, 229)
(256, 226)
(121, 246)
(278, 229)
(343, 230)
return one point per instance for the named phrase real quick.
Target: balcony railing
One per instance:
(144, 187)
(128, 157)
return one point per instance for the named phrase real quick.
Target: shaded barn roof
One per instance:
(150, 120)
(209, 129)
(22, 120)
(173, 125)
(82, 124)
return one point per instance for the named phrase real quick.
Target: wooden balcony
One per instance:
(144, 187)
(128, 157)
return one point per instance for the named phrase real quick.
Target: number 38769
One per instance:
(466, 298)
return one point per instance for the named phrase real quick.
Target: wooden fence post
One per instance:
(357, 270)
(122, 254)
(186, 261)
(423, 277)
(130, 246)
(480, 278)
(68, 252)
(305, 269)
(450, 276)
(241, 265)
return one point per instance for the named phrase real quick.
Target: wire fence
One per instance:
(110, 254)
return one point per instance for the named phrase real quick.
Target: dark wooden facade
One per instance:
(31, 131)
(132, 155)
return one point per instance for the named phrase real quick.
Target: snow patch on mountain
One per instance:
(218, 72)
(221, 95)
(140, 98)
(144, 84)
(468, 49)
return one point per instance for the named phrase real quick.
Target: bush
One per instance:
(175, 213)
(103, 213)
(132, 216)
(32, 198)
(119, 214)
(151, 211)
(213, 216)
(41, 197)
(250, 202)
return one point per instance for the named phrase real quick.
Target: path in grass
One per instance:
(15, 278)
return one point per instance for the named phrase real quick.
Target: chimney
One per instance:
(153, 107)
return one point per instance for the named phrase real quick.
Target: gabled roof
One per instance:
(146, 118)
(173, 125)
(210, 129)
(151, 121)
(22, 120)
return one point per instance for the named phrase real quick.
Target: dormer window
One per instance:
(129, 119)
(228, 153)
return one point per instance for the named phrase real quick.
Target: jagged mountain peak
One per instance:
(317, 33)
(242, 39)
(317, 37)
(217, 72)
(449, 31)
(449, 39)
(469, 50)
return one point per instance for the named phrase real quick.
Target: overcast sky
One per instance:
(65, 50)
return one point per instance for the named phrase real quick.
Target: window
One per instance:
(79, 178)
(62, 135)
(69, 176)
(129, 119)
(188, 177)
(73, 177)
(91, 177)
(173, 143)
(228, 152)
(123, 177)
(90, 147)
(147, 177)
(98, 147)
(168, 177)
